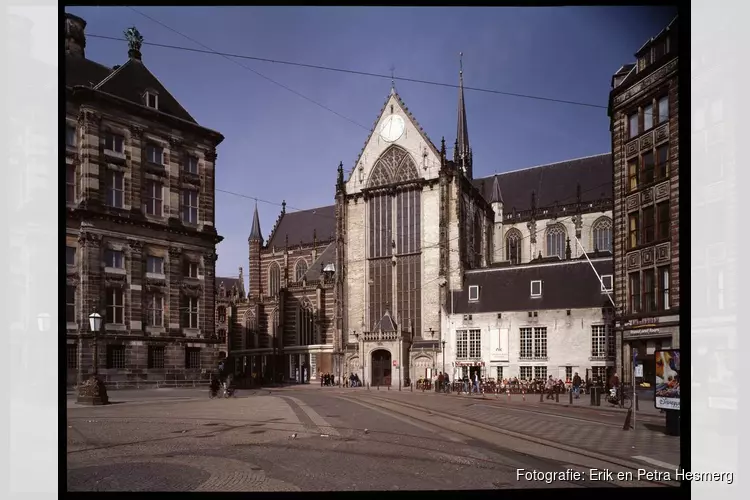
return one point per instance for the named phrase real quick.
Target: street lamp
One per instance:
(93, 391)
(443, 342)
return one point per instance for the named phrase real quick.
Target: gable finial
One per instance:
(461, 63)
(135, 41)
(393, 79)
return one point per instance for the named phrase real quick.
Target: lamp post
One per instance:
(361, 358)
(443, 342)
(93, 391)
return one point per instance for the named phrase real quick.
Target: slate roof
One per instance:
(565, 285)
(300, 225)
(255, 233)
(228, 283)
(386, 324)
(84, 72)
(555, 182)
(328, 256)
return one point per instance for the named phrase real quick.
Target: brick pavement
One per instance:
(602, 438)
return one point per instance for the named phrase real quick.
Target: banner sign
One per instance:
(667, 387)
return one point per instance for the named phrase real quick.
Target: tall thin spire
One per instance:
(255, 233)
(462, 133)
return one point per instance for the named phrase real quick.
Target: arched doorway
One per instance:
(381, 367)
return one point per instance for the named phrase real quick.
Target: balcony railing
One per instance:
(381, 336)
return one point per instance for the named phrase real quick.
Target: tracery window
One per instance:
(274, 279)
(513, 246)
(306, 325)
(602, 234)
(299, 270)
(556, 241)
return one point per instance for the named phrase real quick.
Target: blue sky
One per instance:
(280, 146)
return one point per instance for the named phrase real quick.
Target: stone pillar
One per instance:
(174, 299)
(136, 297)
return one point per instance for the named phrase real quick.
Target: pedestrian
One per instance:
(550, 387)
(476, 382)
(440, 382)
(576, 386)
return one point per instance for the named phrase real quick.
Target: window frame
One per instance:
(71, 139)
(188, 212)
(70, 304)
(604, 283)
(650, 115)
(649, 298)
(109, 252)
(661, 167)
(189, 353)
(531, 290)
(526, 342)
(634, 236)
(152, 259)
(154, 310)
(191, 313)
(190, 266)
(663, 222)
(113, 307)
(153, 360)
(147, 96)
(155, 154)
(70, 183)
(540, 337)
(665, 118)
(116, 143)
(71, 251)
(190, 161)
(154, 198)
(474, 297)
(648, 220)
(634, 177)
(648, 168)
(113, 176)
(664, 287)
(633, 131)
(462, 344)
(634, 293)
(119, 361)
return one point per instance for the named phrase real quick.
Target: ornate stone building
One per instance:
(140, 235)
(362, 286)
(644, 104)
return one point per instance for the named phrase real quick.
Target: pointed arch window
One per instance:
(299, 270)
(394, 165)
(306, 324)
(513, 246)
(275, 329)
(274, 279)
(221, 312)
(602, 234)
(556, 241)
(251, 332)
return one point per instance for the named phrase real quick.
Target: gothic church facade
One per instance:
(363, 286)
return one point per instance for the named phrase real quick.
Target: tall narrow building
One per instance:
(140, 235)
(644, 104)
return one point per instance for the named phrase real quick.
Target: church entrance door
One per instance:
(381, 367)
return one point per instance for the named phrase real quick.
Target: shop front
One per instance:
(641, 339)
(467, 369)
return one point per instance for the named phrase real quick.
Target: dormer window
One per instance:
(536, 288)
(606, 283)
(151, 99)
(473, 293)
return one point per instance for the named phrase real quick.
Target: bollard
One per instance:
(570, 398)
(557, 396)
(541, 396)
(411, 387)
(523, 395)
(368, 386)
(508, 394)
(628, 418)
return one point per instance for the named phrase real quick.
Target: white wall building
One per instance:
(532, 320)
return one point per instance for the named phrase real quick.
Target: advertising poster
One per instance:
(667, 387)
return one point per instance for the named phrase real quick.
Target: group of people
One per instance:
(327, 379)
(353, 381)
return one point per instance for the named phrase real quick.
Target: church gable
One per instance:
(397, 150)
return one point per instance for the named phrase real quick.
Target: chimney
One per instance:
(75, 36)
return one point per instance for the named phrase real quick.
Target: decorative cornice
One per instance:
(644, 85)
(115, 281)
(210, 155)
(89, 239)
(175, 252)
(136, 131)
(136, 246)
(175, 142)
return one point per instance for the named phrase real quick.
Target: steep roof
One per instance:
(462, 129)
(496, 195)
(553, 183)
(228, 283)
(131, 80)
(255, 233)
(328, 256)
(569, 284)
(84, 72)
(299, 226)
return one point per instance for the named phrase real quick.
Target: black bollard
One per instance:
(541, 396)
(411, 387)
(626, 426)
(368, 386)
(570, 397)
(557, 396)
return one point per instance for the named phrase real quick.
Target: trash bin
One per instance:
(596, 396)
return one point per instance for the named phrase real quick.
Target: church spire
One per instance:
(462, 155)
(255, 231)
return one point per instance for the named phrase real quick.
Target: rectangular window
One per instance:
(540, 342)
(115, 357)
(115, 307)
(610, 342)
(114, 142)
(115, 189)
(662, 218)
(72, 356)
(663, 109)
(633, 174)
(70, 304)
(536, 288)
(190, 206)
(648, 117)
(462, 344)
(152, 100)
(153, 199)
(633, 125)
(190, 313)
(664, 301)
(662, 161)
(155, 265)
(607, 283)
(526, 342)
(70, 136)
(156, 357)
(191, 165)
(499, 373)
(70, 183)
(191, 269)
(192, 358)
(114, 259)
(649, 223)
(634, 289)
(525, 373)
(648, 168)
(598, 341)
(154, 309)
(473, 293)
(649, 291)
(540, 372)
(568, 373)
(475, 344)
(598, 373)
(155, 154)
(70, 256)
(633, 230)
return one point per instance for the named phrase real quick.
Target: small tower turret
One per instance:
(255, 243)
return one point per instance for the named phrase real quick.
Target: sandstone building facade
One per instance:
(644, 104)
(140, 236)
(364, 285)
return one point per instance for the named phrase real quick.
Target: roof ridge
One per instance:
(111, 75)
(543, 165)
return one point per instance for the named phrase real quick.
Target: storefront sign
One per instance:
(667, 387)
(638, 371)
(643, 332)
(468, 363)
(642, 322)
